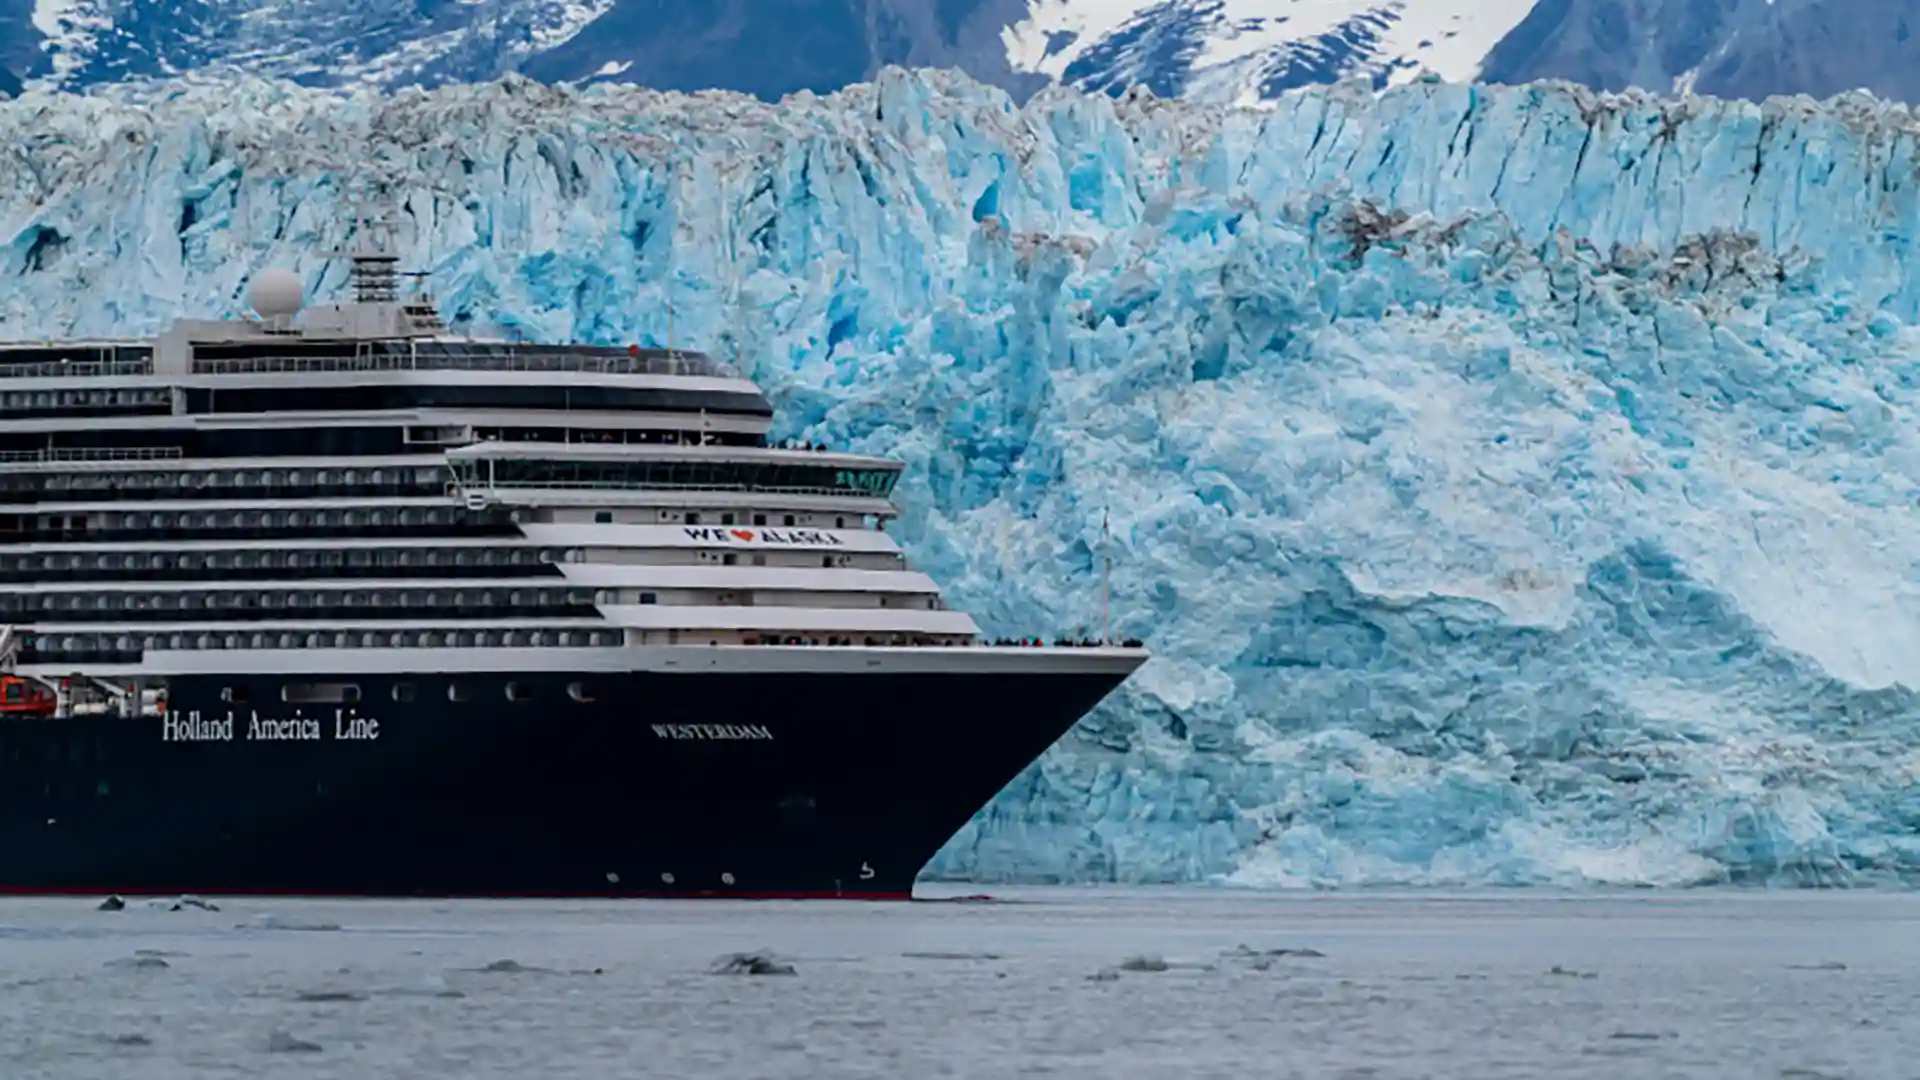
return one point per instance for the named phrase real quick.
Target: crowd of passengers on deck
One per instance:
(1063, 643)
(1025, 642)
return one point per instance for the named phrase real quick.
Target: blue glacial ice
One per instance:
(1516, 485)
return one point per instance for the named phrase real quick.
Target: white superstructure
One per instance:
(349, 487)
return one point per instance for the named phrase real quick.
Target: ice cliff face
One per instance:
(1516, 485)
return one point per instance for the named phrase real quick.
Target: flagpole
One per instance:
(1106, 573)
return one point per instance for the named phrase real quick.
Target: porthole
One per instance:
(518, 691)
(580, 692)
(456, 692)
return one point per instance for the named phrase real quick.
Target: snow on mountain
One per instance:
(764, 47)
(1218, 51)
(1726, 48)
(320, 42)
(1515, 484)
(1242, 51)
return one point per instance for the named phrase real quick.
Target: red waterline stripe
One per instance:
(146, 892)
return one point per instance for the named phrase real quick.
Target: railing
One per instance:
(80, 368)
(483, 485)
(504, 359)
(87, 453)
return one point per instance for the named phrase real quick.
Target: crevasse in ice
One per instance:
(1515, 484)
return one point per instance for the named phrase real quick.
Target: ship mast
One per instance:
(375, 266)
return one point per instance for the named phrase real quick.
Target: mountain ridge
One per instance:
(1219, 51)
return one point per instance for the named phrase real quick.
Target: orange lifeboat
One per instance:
(26, 697)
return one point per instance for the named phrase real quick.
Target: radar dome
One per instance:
(275, 293)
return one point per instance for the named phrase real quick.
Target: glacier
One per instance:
(1516, 485)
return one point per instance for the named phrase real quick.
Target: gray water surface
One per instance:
(1795, 986)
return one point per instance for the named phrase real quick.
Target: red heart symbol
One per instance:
(741, 534)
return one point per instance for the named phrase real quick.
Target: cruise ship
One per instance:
(333, 601)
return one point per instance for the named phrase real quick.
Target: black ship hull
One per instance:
(752, 784)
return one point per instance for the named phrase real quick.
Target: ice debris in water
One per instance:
(1264, 959)
(132, 1038)
(176, 903)
(751, 963)
(268, 920)
(1571, 973)
(1514, 483)
(1243, 951)
(281, 1042)
(512, 967)
(139, 963)
(326, 997)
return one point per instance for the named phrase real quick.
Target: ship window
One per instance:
(693, 519)
(319, 693)
(726, 519)
(789, 519)
(580, 692)
(730, 558)
(649, 598)
(759, 519)
(517, 691)
(233, 695)
(839, 523)
(603, 517)
(759, 558)
(456, 692)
